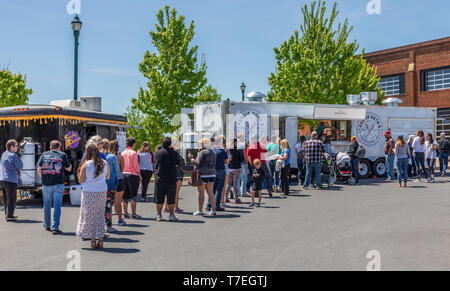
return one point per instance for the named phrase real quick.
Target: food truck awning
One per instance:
(339, 113)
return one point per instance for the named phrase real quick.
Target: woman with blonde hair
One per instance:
(354, 158)
(401, 153)
(286, 169)
(205, 164)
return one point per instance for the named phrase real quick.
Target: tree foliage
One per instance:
(319, 65)
(208, 94)
(174, 74)
(13, 89)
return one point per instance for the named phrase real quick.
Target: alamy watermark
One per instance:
(74, 7)
(375, 260)
(74, 263)
(374, 7)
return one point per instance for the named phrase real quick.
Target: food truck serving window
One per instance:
(341, 130)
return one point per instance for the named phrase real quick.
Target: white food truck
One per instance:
(264, 119)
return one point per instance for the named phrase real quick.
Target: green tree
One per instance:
(146, 127)
(174, 73)
(13, 90)
(320, 65)
(207, 94)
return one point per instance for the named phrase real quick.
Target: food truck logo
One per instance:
(209, 119)
(72, 140)
(250, 124)
(370, 130)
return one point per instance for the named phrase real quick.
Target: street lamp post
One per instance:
(243, 87)
(76, 27)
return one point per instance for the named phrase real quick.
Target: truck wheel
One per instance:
(379, 168)
(365, 169)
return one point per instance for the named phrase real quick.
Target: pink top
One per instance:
(131, 162)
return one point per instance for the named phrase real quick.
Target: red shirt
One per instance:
(256, 151)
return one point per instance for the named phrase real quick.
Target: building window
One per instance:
(393, 85)
(437, 79)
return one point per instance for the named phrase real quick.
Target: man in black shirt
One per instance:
(51, 166)
(166, 161)
(444, 151)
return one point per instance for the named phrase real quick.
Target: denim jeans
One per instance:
(218, 187)
(52, 194)
(411, 167)
(316, 168)
(300, 169)
(243, 180)
(402, 170)
(419, 158)
(390, 159)
(443, 163)
(355, 169)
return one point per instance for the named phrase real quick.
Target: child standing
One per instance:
(257, 182)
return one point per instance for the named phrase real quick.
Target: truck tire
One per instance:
(379, 168)
(365, 169)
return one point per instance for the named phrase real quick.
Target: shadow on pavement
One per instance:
(120, 240)
(239, 211)
(27, 221)
(114, 250)
(129, 232)
(222, 216)
(136, 225)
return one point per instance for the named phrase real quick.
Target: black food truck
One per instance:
(35, 126)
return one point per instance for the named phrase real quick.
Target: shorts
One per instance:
(163, 190)
(120, 186)
(207, 180)
(180, 179)
(131, 187)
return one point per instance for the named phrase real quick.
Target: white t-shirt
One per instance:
(430, 152)
(418, 148)
(298, 147)
(92, 184)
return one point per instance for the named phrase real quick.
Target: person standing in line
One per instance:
(257, 151)
(274, 150)
(286, 169)
(412, 164)
(114, 149)
(243, 192)
(314, 154)
(180, 175)
(10, 167)
(221, 160)
(430, 155)
(257, 182)
(300, 158)
(354, 158)
(419, 155)
(146, 161)
(237, 158)
(444, 151)
(166, 161)
(112, 184)
(98, 142)
(223, 203)
(131, 178)
(389, 149)
(92, 174)
(206, 167)
(401, 153)
(51, 166)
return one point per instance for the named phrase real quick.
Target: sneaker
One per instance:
(135, 216)
(198, 213)
(47, 228)
(443, 175)
(127, 216)
(213, 213)
(258, 205)
(227, 200)
(111, 230)
(238, 201)
(178, 210)
(56, 231)
(173, 218)
(251, 205)
(159, 218)
(305, 187)
(166, 210)
(121, 223)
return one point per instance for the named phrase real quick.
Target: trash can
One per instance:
(75, 195)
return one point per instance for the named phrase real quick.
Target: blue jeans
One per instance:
(300, 169)
(390, 166)
(316, 168)
(219, 183)
(402, 170)
(243, 180)
(355, 169)
(52, 194)
(443, 163)
(419, 158)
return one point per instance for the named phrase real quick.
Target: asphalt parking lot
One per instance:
(310, 230)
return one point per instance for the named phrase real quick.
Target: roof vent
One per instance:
(68, 103)
(392, 102)
(354, 99)
(92, 103)
(369, 98)
(256, 96)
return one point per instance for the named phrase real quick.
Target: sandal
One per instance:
(100, 243)
(93, 244)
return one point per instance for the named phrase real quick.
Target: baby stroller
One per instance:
(328, 172)
(343, 168)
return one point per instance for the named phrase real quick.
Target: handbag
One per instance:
(195, 179)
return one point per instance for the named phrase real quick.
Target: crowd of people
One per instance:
(111, 180)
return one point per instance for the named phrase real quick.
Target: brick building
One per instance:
(419, 74)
